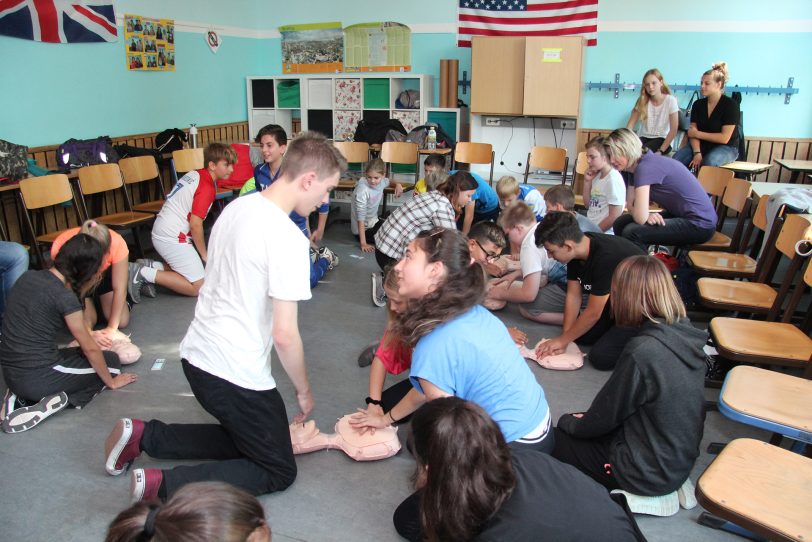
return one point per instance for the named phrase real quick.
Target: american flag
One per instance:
(58, 21)
(527, 18)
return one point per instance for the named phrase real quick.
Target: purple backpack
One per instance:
(75, 153)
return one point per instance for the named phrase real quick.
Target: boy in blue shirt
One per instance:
(484, 205)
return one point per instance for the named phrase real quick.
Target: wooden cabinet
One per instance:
(533, 76)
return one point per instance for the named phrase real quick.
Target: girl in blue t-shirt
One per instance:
(460, 348)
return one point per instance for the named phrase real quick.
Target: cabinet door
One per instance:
(497, 72)
(552, 76)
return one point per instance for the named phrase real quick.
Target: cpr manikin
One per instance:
(571, 359)
(307, 438)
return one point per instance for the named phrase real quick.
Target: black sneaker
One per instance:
(367, 355)
(23, 419)
(135, 281)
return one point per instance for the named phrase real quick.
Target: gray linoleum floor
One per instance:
(53, 479)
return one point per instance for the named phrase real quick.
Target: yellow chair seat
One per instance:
(712, 262)
(734, 293)
(761, 487)
(149, 207)
(719, 241)
(127, 219)
(739, 339)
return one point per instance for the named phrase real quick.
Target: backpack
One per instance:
(408, 99)
(171, 139)
(75, 153)
(128, 151)
(13, 161)
(375, 132)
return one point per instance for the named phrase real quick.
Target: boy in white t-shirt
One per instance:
(604, 189)
(538, 271)
(247, 307)
(366, 201)
(177, 233)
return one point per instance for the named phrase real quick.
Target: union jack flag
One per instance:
(527, 18)
(59, 21)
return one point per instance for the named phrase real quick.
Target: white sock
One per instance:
(149, 274)
(158, 265)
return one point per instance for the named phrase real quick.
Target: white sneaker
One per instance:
(660, 505)
(378, 293)
(687, 495)
(9, 404)
(330, 256)
(28, 417)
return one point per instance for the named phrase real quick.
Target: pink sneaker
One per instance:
(144, 484)
(123, 445)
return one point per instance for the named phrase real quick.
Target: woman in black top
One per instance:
(472, 486)
(713, 138)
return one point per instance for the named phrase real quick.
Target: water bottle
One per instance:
(193, 136)
(431, 140)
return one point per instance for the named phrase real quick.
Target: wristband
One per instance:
(394, 421)
(371, 401)
(697, 152)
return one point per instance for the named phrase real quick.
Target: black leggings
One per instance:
(590, 456)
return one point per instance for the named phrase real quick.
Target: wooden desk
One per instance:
(768, 189)
(750, 169)
(796, 167)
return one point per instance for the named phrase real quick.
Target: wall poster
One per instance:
(149, 43)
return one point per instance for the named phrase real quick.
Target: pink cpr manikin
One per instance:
(570, 360)
(307, 438)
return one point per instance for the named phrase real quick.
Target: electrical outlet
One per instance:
(566, 124)
(492, 121)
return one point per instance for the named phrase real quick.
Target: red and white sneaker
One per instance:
(123, 445)
(144, 484)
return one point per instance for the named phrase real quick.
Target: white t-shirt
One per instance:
(532, 258)
(657, 119)
(193, 194)
(256, 254)
(365, 204)
(606, 191)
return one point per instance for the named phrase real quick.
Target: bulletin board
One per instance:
(378, 47)
(149, 43)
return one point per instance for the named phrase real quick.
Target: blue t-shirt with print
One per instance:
(474, 358)
(484, 196)
(263, 179)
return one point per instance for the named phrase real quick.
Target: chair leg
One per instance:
(715, 522)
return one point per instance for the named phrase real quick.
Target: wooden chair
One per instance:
(737, 264)
(767, 342)
(714, 181)
(102, 178)
(762, 488)
(397, 152)
(185, 160)
(552, 159)
(466, 152)
(143, 169)
(578, 170)
(760, 297)
(735, 197)
(354, 152)
(38, 194)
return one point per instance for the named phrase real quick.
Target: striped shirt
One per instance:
(422, 212)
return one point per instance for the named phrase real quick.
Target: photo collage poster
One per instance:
(149, 43)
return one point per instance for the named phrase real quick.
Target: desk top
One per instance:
(434, 151)
(747, 167)
(768, 189)
(795, 165)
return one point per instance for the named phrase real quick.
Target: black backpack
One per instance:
(375, 132)
(13, 161)
(171, 139)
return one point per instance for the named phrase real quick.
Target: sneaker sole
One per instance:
(138, 484)
(114, 445)
(27, 418)
(375, 293)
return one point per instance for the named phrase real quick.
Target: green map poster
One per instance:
(377, 47)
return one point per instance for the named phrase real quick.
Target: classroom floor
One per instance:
(53, 477)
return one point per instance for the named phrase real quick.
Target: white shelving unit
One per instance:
(334, 103)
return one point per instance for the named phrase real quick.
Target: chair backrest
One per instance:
(737, 194)
(353, 151)
(473, 153)
(397, 152)
(808, 276)
(138, 169)
(188, 159)
(760, 216)
(548, 158)
(581, 164)
(99, 178)
(714, 180)
(39, 192)
(796, 228)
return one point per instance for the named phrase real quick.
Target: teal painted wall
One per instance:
(53, 92)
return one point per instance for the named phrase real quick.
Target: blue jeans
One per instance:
(317, 270)
(676, 231)
(718, 156)
(13, 263)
